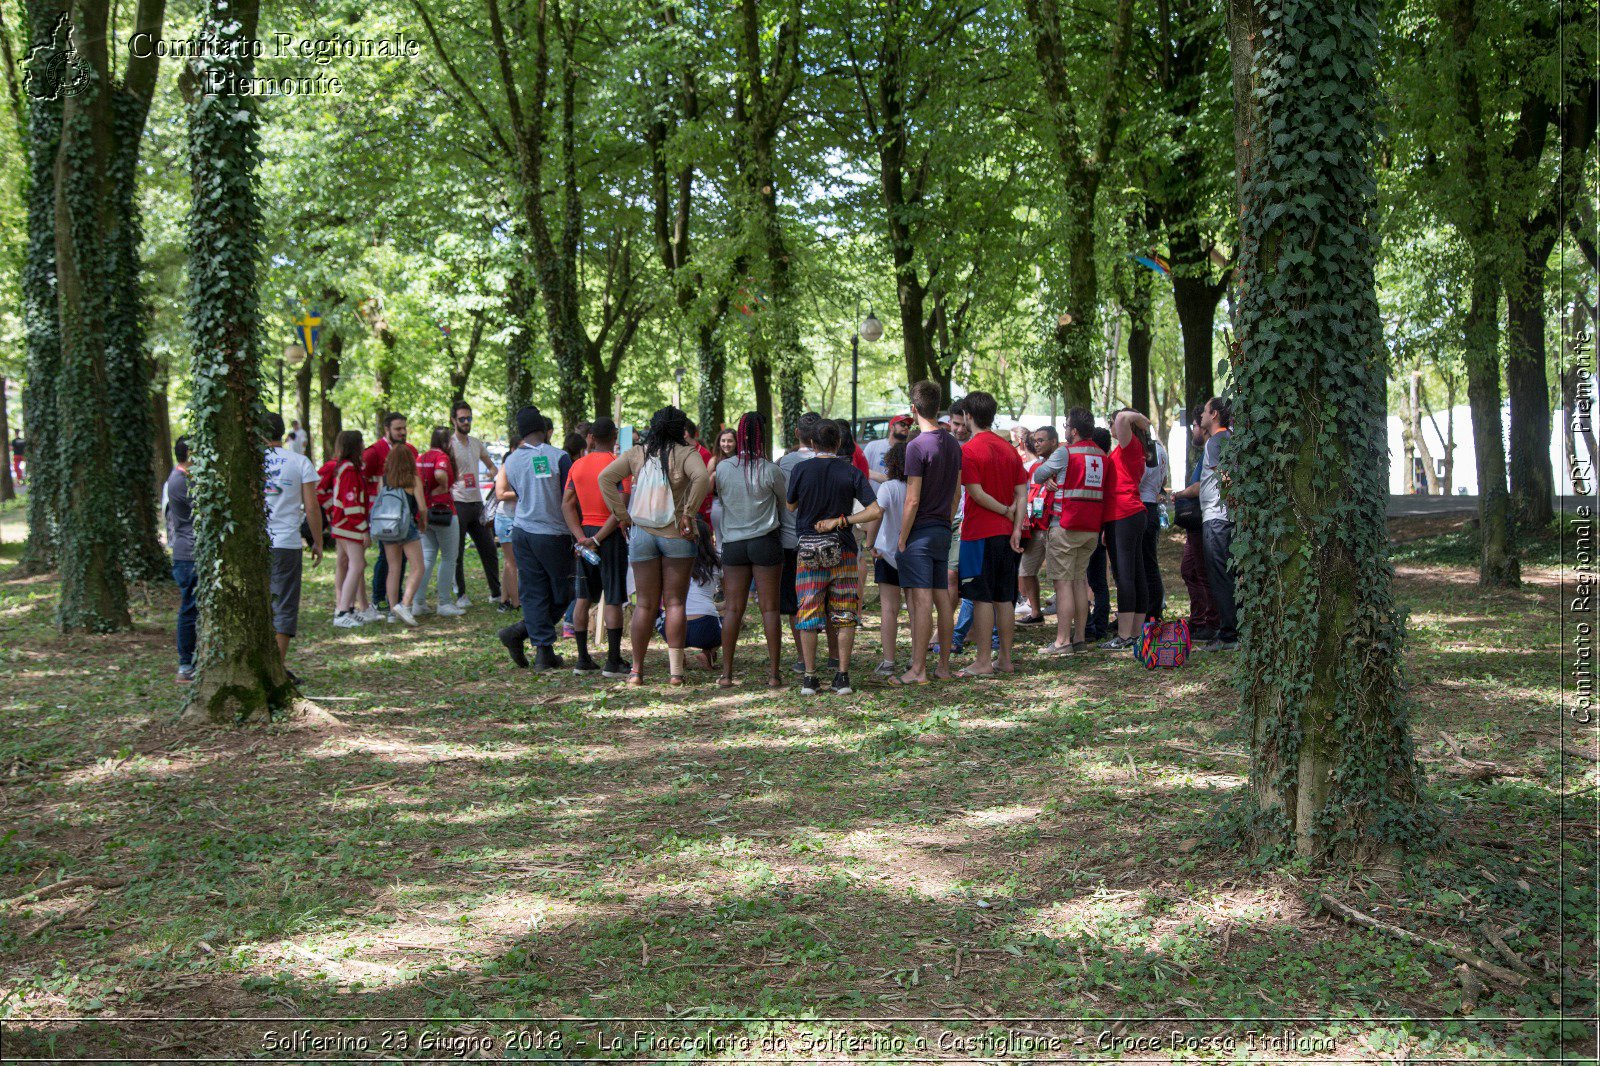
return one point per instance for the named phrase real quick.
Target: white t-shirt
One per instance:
(286, 472)
(297, 441)
(876, 452)
(701, 598)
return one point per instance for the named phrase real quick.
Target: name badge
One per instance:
(541, 466)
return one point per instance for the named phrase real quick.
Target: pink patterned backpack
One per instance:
(1164, 644)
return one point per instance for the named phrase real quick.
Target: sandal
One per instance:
(635, 679)
(724, 682)
(676, 680)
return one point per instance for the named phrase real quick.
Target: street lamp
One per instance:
(869, 329)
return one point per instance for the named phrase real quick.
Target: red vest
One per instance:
(1082, 491)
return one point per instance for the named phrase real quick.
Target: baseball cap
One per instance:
(898, 420)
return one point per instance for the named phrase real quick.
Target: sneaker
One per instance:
(566, 631)
(833, 664)
(185, 675)
(1035, 620)
(463, 601)
(798, 666)
(450, 610)
(1203, 636)
(371, 614)
(585, 665)
(1115, 644)
(421, 608)
(404, 614)
(348, 620)
(503, 607)
(381, 606)
(808, 685)
(614, 668)
(1218, 645)
(545, 658)
(1079, 647)
(1058, 649)
(511, 637)
(391, 618)
(885, 669)
(841, 684)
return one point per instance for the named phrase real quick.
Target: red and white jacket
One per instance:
(342, 491)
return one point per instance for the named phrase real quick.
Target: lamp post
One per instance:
(869, 329)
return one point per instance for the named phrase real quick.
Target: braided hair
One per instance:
(750, 444)
(668, 429)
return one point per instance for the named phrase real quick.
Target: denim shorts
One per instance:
(502, 527)
(923, 564)
(644, 546)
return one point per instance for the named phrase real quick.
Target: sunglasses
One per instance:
(463, 418)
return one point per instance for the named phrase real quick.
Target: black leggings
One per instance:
(1155, 593)
(1125, 545)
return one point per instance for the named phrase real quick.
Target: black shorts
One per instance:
(765, 550)
(788, 599)
(884, 574)
(611, 576)
(996, 582)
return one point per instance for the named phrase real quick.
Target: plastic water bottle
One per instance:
(1165, 519)
(590, 556)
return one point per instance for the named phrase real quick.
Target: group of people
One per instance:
(959, 528)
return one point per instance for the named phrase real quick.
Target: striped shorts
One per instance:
(834, 594)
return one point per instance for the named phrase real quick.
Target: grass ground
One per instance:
(477, 844)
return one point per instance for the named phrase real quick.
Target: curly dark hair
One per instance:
(894, 462)
(668, 429)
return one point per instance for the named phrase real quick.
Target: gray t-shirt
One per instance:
(786, 465)
(1212, 509)
(1155, 476)
(875, 453)
(537, 473)
(752, 498)
(180, 517)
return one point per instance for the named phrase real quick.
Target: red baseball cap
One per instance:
(897, 419)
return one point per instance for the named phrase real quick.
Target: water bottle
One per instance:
(589, 555)
(1165, 520)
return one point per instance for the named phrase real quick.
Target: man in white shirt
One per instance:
(291, 495)
(297, 438)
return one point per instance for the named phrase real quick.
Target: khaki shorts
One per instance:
(1068, 553)
(955, 546)
(1033, 554)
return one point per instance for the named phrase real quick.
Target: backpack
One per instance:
(1164, 644)
(651, 505)
(391, 515)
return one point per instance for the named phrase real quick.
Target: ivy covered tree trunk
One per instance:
(1141, 331)
(41, 316)
(128, 360)
(519, 376)
(8, 489)
(92, 532)
(1332, 772)
(713, 373)
(241, 671)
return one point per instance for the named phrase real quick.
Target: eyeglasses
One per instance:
(463, 418)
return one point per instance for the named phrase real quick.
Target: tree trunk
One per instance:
(302, 405)
(1532, 479)
(761, 380)
(1140, 335)
(519, 376)
(8, 489)
(713, 372)
(40, 307)
(160, 424)
(1430, 483)
(240, 671)
(328, 353)
(1497, 563)
(92, 543)
(1332, 770)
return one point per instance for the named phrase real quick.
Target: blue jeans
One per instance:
(544, 581)
(188, 609)
(963, 626)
